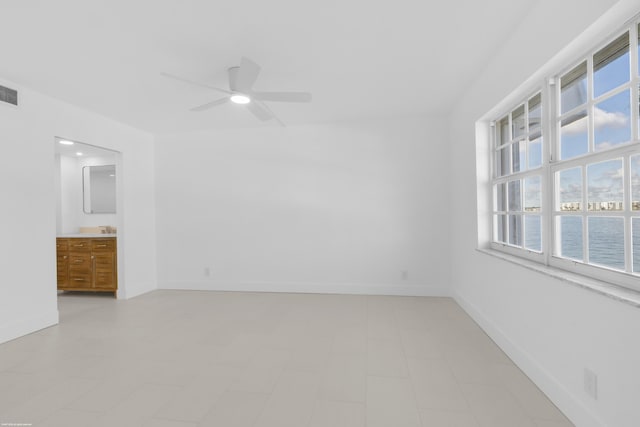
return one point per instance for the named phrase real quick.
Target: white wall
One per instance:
(28, 214)
(326, 208)
(552, 329)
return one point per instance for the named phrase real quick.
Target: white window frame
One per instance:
(550, 93)
(521, 175)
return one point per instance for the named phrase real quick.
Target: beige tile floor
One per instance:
(188, 358)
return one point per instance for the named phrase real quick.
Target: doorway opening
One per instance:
(88, 218)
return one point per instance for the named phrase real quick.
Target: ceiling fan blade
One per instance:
(260, 111)
(210, 104)
(280, 122)
(191, 82)
(283, 96)
(247, 75)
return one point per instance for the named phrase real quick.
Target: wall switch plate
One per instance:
(591, 383)
(207, 272)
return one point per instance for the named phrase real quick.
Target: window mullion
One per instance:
(633, 57)
(628, 243)
(549, 138)
(590, 108)
(585, 215)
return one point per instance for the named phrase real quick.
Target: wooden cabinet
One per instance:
(62, 252)
(87, 264)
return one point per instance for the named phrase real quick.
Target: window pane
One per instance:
(533, 232)
(635, 182)
(635, 225)
(611, 66)
(573, 88)
(535, 153)
(532, 199)
(518, 150)
(514, 196)
(611, 121)
(605, 190)
(606, 242)
(517, 122)
(501, 198)
(500, 228)
(569, 228)
(535, 113)
(504, 158)
(573, 135)
(503, 131)
(570, 182)
(515, 230)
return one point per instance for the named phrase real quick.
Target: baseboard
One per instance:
(312, 288)
(569, 404)
(133, 291)
(25, 326)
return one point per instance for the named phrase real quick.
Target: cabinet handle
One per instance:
(79, 261)
(64, 257)
(79, 246)
(79, 280)
(101, 246)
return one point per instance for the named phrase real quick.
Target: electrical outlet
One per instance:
(591, 383)
(207, 272)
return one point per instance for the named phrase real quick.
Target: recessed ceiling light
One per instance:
(240, 99)
(65, 142)
(78, 154)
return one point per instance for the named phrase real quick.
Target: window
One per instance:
(517, 184)
(566, 167)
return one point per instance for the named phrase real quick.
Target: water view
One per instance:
(606, 239)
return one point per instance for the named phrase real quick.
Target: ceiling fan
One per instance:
(241, 80)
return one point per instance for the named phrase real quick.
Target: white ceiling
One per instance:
(359, 58)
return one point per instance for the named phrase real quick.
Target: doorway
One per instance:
(88, 218)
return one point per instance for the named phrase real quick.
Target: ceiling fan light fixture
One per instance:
(240, 99)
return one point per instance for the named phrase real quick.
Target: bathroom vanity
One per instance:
(87, 263)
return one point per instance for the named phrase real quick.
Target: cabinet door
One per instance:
(62, 262)
(63, 269)
(104, 270)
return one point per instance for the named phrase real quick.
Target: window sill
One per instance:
(617, 293)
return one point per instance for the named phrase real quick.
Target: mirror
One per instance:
(99, 189)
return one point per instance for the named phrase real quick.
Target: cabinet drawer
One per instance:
(105, 279)
(103, 245)
(62, 245)
(80, 261)
(62, 261)
(79, 245)
(79, 279)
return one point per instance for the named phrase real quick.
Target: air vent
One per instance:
(8, 95)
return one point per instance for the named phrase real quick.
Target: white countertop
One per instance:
(87, 235)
